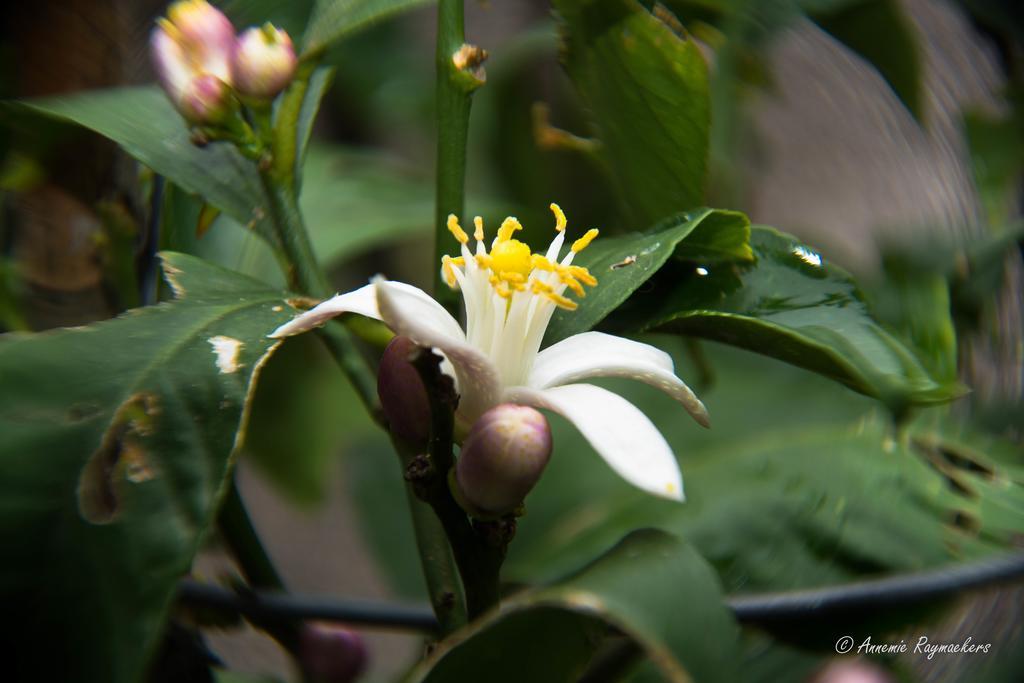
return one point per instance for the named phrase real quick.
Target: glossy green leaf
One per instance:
(792, 305)
(622, 264)
(142, 121)
(334, 19)
(647, 89)
(881, 33)
(117, 441)
(651, 586)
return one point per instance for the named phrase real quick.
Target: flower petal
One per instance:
(618, 431)
(362, 301)
(427, 323)
(595, 354)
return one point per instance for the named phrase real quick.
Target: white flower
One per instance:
(510, 295)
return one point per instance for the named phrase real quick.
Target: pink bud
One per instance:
(172, 66)
(206, 100)
(329, 653)
(263, 62)
(191, 50)
(502, 458)
(402, 394)
(205, 34)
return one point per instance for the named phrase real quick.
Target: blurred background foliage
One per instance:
(802, 482)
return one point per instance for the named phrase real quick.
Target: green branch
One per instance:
(478, 547)
(458, 75)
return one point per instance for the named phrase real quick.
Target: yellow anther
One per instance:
(583, 275)
(456, 230)
(562, 302)
(511, 277)
(582, 243)
(560, 221)
(511, 256)
(508, 226)
(447, 263)
(503, 291)
(541, 287)
(483, 260)
(478, 234)
(539, 262)
(570, 282)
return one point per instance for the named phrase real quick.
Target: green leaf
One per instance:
(117, 441)
(651, 586)
(881, 33)
(647, 89)
(791, 305)
(913, 299)
(319, 82)
(142, 121)
(621, 264)
(354, 201)
(335, 19)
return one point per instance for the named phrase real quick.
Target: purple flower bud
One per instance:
(402, 394)
(329, 653)
(502, 458)
(206, 100)
(263, 62)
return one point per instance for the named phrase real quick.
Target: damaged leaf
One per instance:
(114, 463)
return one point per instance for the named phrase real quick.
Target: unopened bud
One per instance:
(402, 394)
(329, 653)
(205, 33)
(189, 47)
(263, 62)
(206, 100)
(502, 458)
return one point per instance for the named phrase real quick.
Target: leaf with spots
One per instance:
(117, 439)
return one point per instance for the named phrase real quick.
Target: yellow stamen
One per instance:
(456, 230)
(583, 275)
(563, 302)
(508, 226)
(483, 260)
(560, 221)
(571, 282)
(478, 234)
(539, 262)
(583, 242)
(448, 271)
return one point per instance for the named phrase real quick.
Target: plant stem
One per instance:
(244, 543)
(453, 104)
(478, 548)
(258, 569)
(439, 572)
